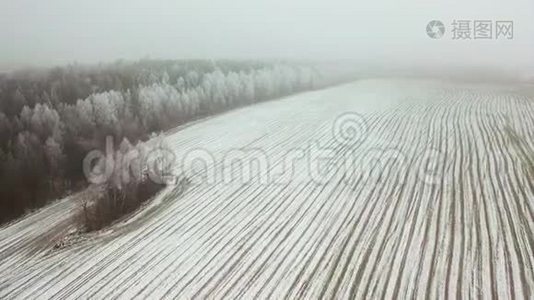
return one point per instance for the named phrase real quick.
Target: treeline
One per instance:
(50, 119)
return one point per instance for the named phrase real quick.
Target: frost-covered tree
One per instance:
(85, 115)
(55, 159)
(45, 122)
(5, 130)
(49, 121)
(107, 108)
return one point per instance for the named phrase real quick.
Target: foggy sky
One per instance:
(57, 32)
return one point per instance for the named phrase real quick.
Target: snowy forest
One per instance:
(50, 119)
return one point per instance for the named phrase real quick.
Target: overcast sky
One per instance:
(52, 32)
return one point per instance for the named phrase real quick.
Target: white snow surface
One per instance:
(463, 229)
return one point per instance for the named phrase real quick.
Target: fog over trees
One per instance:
(50, 119)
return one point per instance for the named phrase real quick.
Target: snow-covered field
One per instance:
(374, 189)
